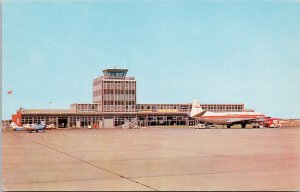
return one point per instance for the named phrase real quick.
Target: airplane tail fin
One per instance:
(197, 109)
(14, 125)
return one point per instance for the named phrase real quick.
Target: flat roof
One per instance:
(189, 104)
(72, 112)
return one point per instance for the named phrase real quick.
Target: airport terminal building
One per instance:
(114, 100)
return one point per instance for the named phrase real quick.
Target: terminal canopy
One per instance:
(115, 72)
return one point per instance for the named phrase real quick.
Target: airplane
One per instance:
(226, 118)
(35, 127)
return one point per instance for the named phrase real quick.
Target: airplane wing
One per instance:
(31, 127)
(24, 128)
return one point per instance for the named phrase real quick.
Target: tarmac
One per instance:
(152, 159)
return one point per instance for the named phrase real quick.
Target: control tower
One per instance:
(114, 91)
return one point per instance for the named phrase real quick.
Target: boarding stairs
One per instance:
(131, 124)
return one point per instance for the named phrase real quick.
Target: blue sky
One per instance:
(217, 52)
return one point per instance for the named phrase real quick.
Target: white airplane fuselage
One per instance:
(35, 127)
(225, 118)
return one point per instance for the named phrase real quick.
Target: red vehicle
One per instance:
(272, 123)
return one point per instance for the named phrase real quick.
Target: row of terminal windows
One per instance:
(122, 82)
(154, 107)
(87, 107)
(159, 107)
(123, 85)
(84, 120)
(112, 91)
(228, 107)
(120, 108)
(119, 102)
(38, 119)
(188, 107)
(118, 97)
(142, 107)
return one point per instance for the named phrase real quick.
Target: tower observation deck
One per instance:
(115, 73)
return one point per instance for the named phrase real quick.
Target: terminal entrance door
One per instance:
(62, 122)
(77, 124)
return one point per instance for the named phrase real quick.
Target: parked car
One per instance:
(51, 126)
(200, 126)
(211, 126)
